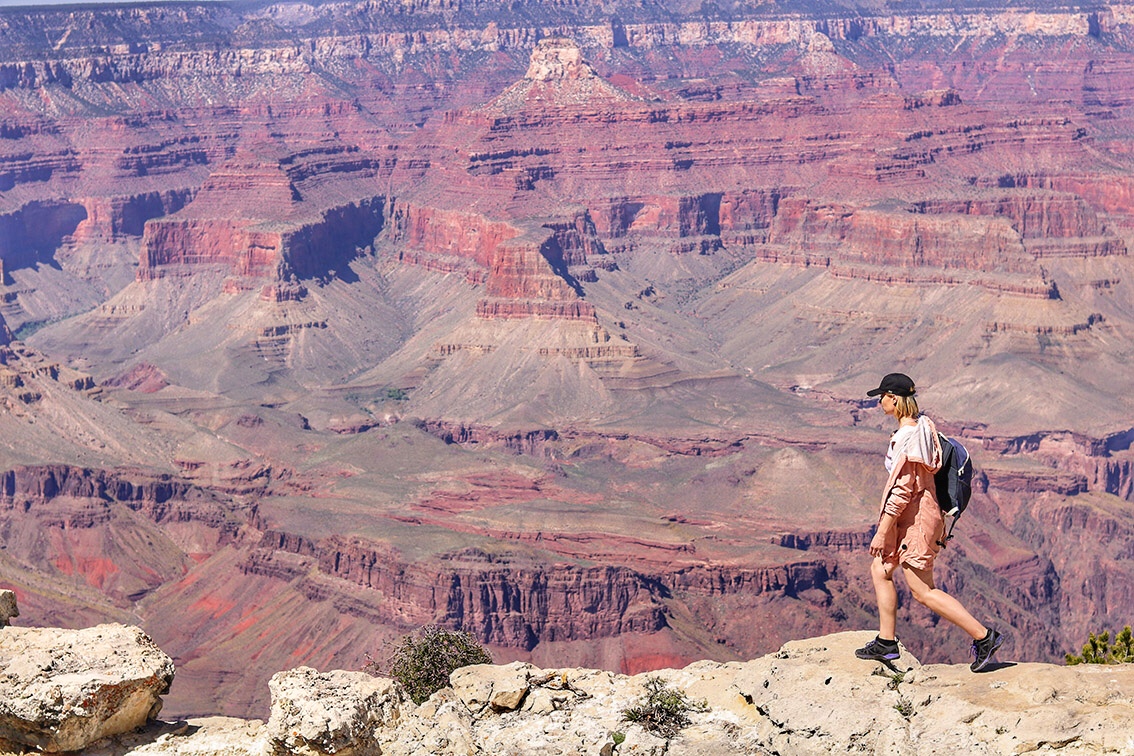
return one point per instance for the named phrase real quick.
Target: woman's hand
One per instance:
(878, 544)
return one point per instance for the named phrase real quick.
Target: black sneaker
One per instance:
(879, 650)
(984, 648)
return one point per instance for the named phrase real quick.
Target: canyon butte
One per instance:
(553, 322)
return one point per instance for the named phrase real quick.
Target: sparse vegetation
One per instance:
(904, 707)
(396, 394)
(423, 661)
(663, 710)
(895, 678)
(1100, 650)
(26, 330)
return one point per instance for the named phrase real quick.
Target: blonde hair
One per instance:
(905, 406)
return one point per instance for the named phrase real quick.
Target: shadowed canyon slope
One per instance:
(321, 322)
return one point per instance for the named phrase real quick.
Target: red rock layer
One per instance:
(191, 242)
(449, 233)
(253, 248)
(118, 218)
(513, 606)
(526, 273)
(143, 377)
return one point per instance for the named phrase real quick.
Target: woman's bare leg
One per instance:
(883, 576)
(924, 592)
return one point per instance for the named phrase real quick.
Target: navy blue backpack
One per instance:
(954, 481)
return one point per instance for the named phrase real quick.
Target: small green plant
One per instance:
(663, 710)
(618, 738)
(895, 678)
(1100, 650)
(423, 661)
(904, 707)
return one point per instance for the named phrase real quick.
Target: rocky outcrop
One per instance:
(899, 239)
(33, 486)
(8, 608)
(448, 233)
(62, 690)
(258, 247)
(40, 166)
(557, 73)
(505, 309)
(710, 214)
(810, 697)
(23, 367)
(534, 442)
(525, 271)
(142, 377)
(244, 250)
(335, 712)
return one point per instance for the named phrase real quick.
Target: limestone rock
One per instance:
(811, 697)
(485, 685)
(209, 736)
(61, 690)
(8, 607)
(330, 712)
(441, 725)
(815, 697)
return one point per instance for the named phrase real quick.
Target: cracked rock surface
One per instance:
(810, 697)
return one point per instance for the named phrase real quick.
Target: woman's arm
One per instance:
(898, 497)
(901, 493)
(880, 544)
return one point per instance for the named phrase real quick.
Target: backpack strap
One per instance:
(949, 534)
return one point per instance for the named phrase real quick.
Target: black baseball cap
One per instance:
(897, 384)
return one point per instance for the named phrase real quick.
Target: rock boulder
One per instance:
(61, 690)
(8, 607)
(334, 712)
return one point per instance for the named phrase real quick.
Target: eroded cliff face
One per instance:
(122, 535)
(1028, 556)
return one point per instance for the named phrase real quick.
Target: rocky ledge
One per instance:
(810, 697)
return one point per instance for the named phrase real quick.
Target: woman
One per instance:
(910, 526)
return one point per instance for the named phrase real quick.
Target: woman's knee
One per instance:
(880, 570)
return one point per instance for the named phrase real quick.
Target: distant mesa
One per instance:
(822, 61)
(251, 217)
(557, 75)
(558, 59)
